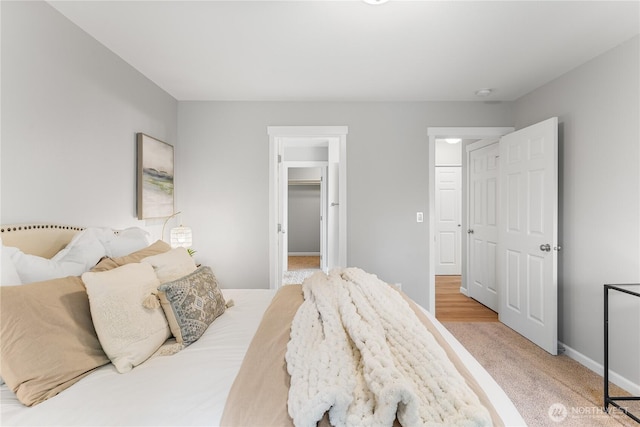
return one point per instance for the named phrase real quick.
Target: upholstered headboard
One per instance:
(44, 240)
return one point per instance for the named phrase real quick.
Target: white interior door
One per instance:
(283, 221)
(448, 220)
(528, 233)
(333, 217)
(324, 231)
(483, 224)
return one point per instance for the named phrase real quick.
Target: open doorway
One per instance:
(452, 300)
(521, 168)
(322, 147)
(448, 200)
(444, 236)
(305, 223)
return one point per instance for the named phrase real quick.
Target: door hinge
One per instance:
(279, 158)
(279, 228)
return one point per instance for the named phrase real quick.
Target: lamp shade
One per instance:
(181, 237)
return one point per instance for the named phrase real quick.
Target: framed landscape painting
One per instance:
(155, 177)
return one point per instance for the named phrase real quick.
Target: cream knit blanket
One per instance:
(358, 351)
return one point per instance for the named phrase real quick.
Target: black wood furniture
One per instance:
(632, 289)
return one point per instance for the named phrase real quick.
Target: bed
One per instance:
(204, 382)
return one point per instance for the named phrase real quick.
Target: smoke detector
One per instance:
(483, 93)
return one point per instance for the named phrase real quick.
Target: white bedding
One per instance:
(189, 388)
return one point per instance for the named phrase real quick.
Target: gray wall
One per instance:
(223, 158)
(303, 228)
(304, 219)
(71, 108)
(598, 109)
(70, 112)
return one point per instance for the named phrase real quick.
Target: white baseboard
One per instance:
(464, 291)
(596, 367)
(304, 253)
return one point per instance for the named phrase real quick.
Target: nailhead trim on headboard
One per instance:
(39, 226)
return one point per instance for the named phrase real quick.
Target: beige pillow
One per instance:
(48, 339)
(172, 265)
(128, 331)
(110, 263)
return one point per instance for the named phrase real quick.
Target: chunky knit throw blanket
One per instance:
(358, 351)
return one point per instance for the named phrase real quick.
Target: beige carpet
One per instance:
(547, 390)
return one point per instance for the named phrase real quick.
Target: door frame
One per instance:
(450, 132)
(276, 135)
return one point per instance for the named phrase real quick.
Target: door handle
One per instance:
(470, 231)
(545, 248)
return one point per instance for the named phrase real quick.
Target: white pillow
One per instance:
(9, 274)
(81, 254)
(32, 268)
(85, 248)
(172, 265)
(124, 242)
(128, 331)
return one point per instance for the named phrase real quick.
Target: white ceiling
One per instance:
(351, 51)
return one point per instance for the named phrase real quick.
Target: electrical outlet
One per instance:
(419, 217)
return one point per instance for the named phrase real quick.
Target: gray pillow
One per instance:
(191, 304)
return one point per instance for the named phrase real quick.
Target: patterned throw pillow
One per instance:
(191, 304)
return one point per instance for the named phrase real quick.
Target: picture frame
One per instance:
(155, 175)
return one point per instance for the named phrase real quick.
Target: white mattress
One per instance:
(188, 388)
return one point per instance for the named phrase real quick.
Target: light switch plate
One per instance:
(419, 217)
